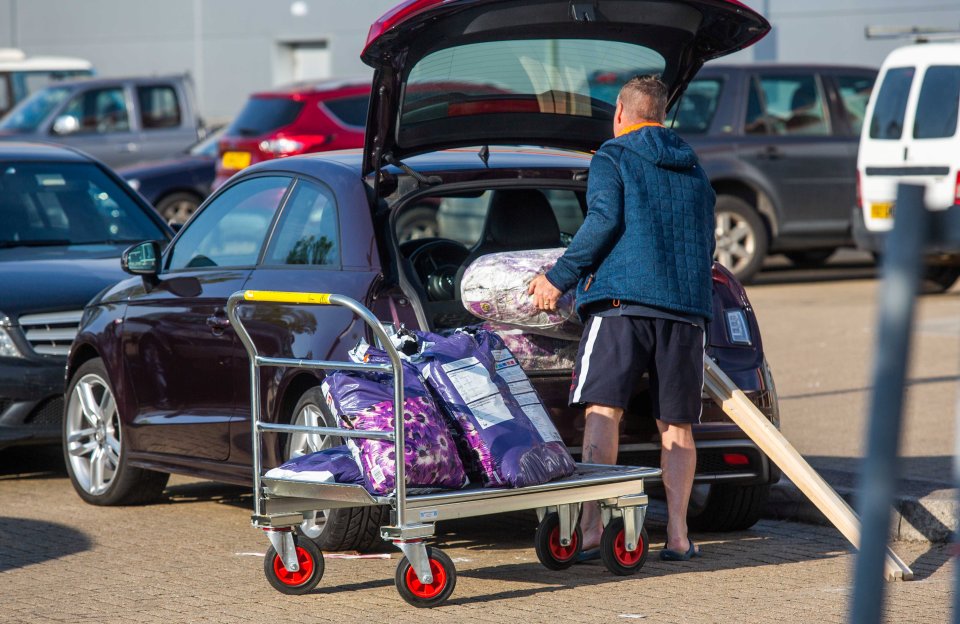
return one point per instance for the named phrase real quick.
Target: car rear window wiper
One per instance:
(53, 242)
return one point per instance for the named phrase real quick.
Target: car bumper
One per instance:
(865, 240)
(31, 401)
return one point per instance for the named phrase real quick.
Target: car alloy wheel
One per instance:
(310, 413)
(736, 241)
(93, 434)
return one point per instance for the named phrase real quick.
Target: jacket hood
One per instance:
(661, 146)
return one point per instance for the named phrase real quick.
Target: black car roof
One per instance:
(20, 150)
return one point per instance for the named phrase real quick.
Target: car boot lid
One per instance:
(531, 72)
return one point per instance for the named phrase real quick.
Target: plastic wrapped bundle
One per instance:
(494, 288)
(332, 465)
(365, 402)
(536, 352)
(499, 417)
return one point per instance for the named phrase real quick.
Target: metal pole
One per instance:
(903, 261)
(956, 537)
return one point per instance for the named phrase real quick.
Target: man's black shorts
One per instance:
(615, 352)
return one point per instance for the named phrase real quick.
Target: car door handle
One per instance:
(770, 152)
(218, 323)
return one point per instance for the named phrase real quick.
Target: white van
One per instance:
(911, 136)
(21, 75)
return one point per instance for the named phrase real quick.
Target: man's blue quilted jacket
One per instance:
(648, 236)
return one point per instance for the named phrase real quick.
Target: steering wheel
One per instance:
(436, 263)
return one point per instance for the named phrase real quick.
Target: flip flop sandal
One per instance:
(588, 555)
(675, 555)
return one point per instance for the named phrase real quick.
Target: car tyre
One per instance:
(741, 237)
(938, 279)
(416, 223)
(729, 508)
(356, 528)
(178, 207)
(93, 444)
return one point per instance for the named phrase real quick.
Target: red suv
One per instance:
(297, 119)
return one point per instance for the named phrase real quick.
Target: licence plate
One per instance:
(235, 160)
(881, 210)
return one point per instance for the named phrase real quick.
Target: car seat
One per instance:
(517, 219)
(804, 118)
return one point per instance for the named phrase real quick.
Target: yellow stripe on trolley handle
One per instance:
(276, 296)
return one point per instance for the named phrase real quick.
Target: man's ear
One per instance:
(618, 113)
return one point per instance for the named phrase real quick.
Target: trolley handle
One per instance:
(256, 361)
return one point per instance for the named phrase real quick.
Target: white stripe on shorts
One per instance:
(587, 352)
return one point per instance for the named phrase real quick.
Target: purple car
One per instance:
(158, 380)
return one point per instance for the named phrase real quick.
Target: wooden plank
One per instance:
(745, 414)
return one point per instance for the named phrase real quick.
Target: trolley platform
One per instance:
(425, 576)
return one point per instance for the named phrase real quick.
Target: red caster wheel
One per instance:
(303, 580)
(613, 549)
(427, 595)
(550, 552)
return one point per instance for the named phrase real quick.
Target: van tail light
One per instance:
(956, 190)
(859, 191)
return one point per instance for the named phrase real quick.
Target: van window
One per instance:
(891, 105)
(936, 116)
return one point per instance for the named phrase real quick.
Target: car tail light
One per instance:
(736, 459)
(281, 147)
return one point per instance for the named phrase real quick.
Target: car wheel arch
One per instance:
(79, 356)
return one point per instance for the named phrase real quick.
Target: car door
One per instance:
(789, 137)
(164, 127)
(99, 121)
(183, 360)
(318, 245)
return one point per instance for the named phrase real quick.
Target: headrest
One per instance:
(521, 219)
(803, 97)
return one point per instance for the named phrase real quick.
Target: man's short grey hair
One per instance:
(645, 98)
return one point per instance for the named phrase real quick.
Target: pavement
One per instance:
(819, 336)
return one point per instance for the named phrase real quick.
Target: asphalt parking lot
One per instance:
(196, 558)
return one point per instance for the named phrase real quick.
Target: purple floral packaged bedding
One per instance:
(332, 465)
(364, 401)
(499, 417)
(494, 288)
(536, 352)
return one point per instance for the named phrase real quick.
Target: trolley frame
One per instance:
(280, 504)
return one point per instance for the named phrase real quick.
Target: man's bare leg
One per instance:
(678, 459)
(601, 439)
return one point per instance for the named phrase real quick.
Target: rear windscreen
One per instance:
(262, 115)
(938, 103)
(888, 112)
(577, 77)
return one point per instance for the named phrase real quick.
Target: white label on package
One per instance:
(519, 387)
(490, 411)
(470, 379)
(377, 473)
(538, 416)
(527, 398)
(501, 354)
(511, 374)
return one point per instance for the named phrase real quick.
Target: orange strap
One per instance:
(636, 127)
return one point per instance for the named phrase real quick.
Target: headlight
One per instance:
(7, 346)
(738, 330)
(134, 184)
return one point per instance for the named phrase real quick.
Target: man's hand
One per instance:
(545, 294)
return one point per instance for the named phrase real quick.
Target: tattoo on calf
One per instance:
(590, 451)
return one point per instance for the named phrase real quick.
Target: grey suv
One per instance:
(120, 121)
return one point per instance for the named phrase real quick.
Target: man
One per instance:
(642, 260)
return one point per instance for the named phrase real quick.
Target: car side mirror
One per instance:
(142, 259)
(66, 124)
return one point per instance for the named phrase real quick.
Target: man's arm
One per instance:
(600, 228)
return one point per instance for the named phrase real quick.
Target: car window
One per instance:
(351, 111)
(230, 230)
(68, 204)
(936, 116)
(307, 230)
(854, 95)
(697, 106)
(99, 111)
(264, 114)
(159, 107)
(31, 112)
(891, 104)
(786, 105)
(461, 218)
(26, 82)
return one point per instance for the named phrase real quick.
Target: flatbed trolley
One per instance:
(425, 576)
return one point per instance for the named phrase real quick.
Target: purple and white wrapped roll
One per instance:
(536, 352)
(365, 402)
(499, 416)
(332, 465)
(494, 288)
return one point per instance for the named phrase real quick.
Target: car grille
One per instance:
(50, 413)
(51, 333)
